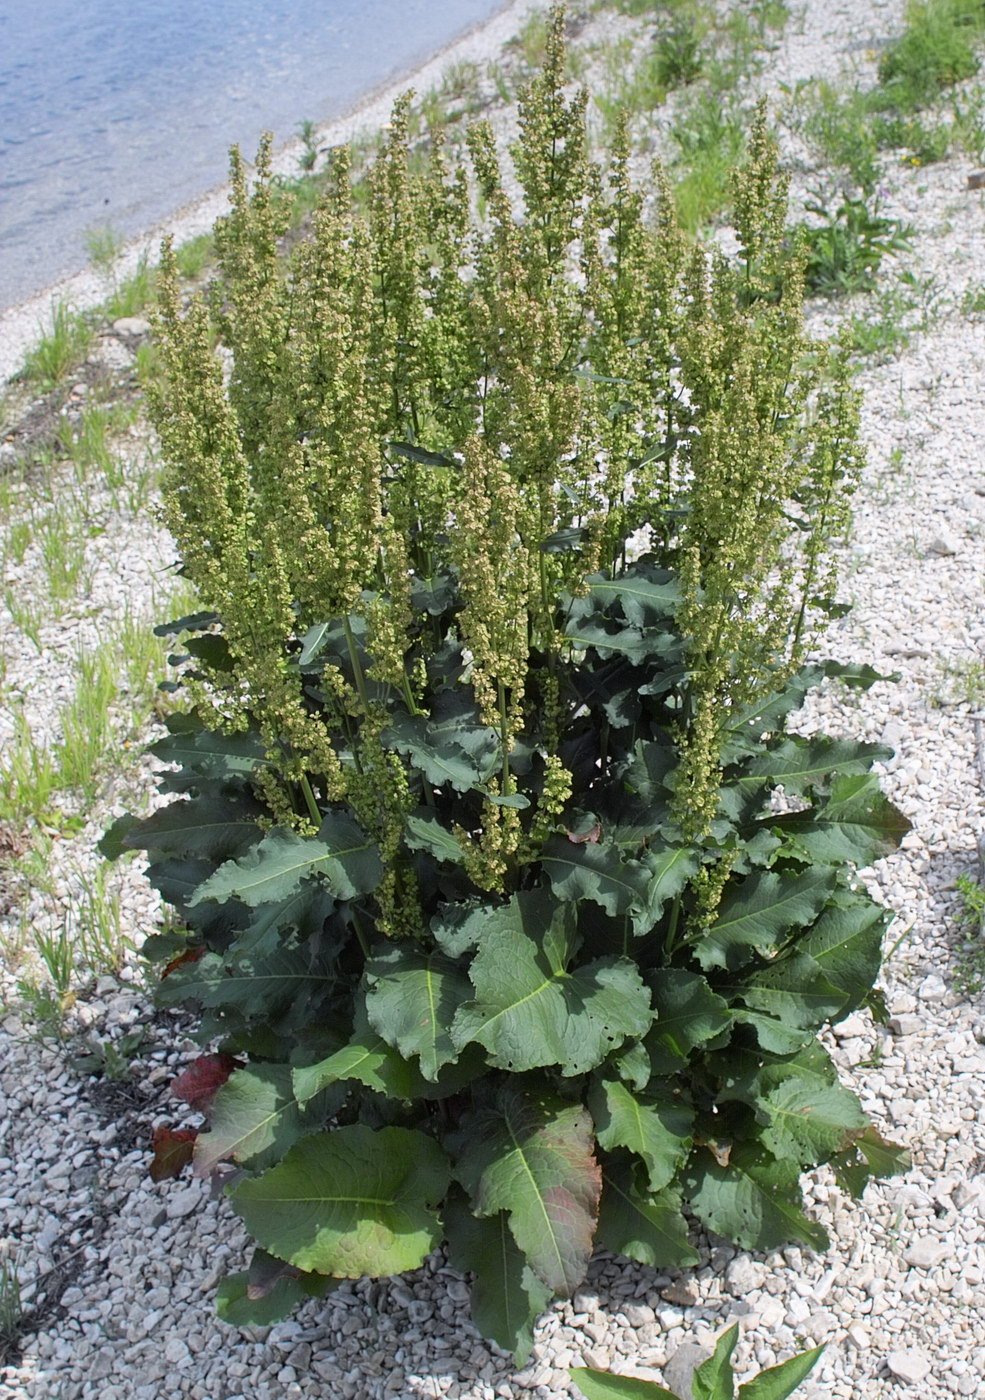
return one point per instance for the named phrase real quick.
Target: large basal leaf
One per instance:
(507, 1297)
(802, 763)
(349, 1202)
(267, 1292)
(855, 825)
(808, 1123)
(655, 1126)
(846, 943)
(794, 990)
(303, 913)
(870, 1156)
(686, 1013)
(645, 601)
(215, 828)
(532, 1156)
(254, 1118)
(749, 1074)
(650, 1229)
(341, 854)
(669, 871)
(411, 1000)
(369, 1060)
(597, 871)
(757, 914)
(532, 1008)
(755, 1200)
(177, 878)
(455, 754)
(780, 1381)
(253, 986)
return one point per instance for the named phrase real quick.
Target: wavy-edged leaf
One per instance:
(216, 828)
(794, 989)
(532, 1156)
(172, 1149)
(811, 1124)
(656, 1126)
(507, 1297)
(303, 912)
(368, 1060)
(205, 753)
(650, 1229)
(800, 763)
(458, 755)
(255, 986)
(846, 943)
(755, 1201)
(669, 870)
(686, 1013)
(597, 871)
(712, 1380)
(424, 832)
(603, 1385)
(411, 999)
(780, 1381)
(749, 1074)
(757, 914)
(532, 1008)
(855, 825)
(644, 601)
(349, 1202)
(267, 1292)
(341, 854)
(254, 1118)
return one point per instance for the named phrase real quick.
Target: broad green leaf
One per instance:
(255, 986)
(794, 989)
(655, 1126)
(177, 878)
(458, 927)
(599, 873)
(669, 870)
(303, 913)
(460, 756)
(713, 1378)
(212, 827)
(342, 855)
(235, 1305)
(254, 1118)
(749, 1074)
(650, 1229)
(687, 1013)
(532, 1008)
(811, 1124)
(369, 1060)
(423, 832)
(772, 1034)
(644, 601)
(846, 943)
(632, 1064)
(855, 825)
(756, 915)
(603, 1385)
(507, 1297)
(801, 763)
(411, 1000)
(532, 1156)
(869, 1157)
(349, 1202)
(755, 1200)
(204, 752)
(780, 1381)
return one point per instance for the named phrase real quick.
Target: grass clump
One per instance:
(62, 348)
(936, 50)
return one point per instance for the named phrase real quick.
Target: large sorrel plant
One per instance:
(511, 524)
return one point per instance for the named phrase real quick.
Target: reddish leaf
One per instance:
(191, 955)
(265, 1272)
(201, 1081)
(173, 1149)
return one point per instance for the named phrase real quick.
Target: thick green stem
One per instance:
(313, 809)
(357, 669)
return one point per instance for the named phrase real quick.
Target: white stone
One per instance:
(131, 325)
(926, 1253)
(911, 1366)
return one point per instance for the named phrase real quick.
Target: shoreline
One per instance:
(22, 324)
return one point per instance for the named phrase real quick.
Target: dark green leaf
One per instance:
(759, 912)
(801, 763)
(810, 1124)
(204, 752)
(369, 1060)
(650, 1229)
(424, 832)
(794, 989)
(599, 873)
(342, 855)
(687, 1013)
(655, 1126)
(411, 1000)
(254, 1118)
(420, 454)
(349, 1202)
(855, 825)
(532, 1008)
(644, 601)
(531, 1156)
(755, 1200)
(215, 828)
(462, 757)
(235, 1305)
(507, 1297)
(870, 1156)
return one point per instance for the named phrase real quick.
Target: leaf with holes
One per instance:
(686, 1014)
(855, 825)
(755, 1200)
(757, 915)
(655, 1126)
(808, 1124)
(531, 1155)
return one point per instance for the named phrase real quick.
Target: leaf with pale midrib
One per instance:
(411, 1000)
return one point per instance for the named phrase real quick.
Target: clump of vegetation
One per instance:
(62, 348)
(511, 535)
(936, 50)
(846, 248)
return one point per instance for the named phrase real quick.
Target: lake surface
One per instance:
(114, 113)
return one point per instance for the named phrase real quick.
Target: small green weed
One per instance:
(11, 1308)
(104, 246)
(973, 301)
(846, 248)
(87, 730)
(886, 331)
(55, 951)
(134, 294)
(836, 124)
(25, 616)
(61, 348)
(194, 256)
(102, 943)
(108, 1059)
(709, 135)
(308, 157)
(63, 553)
(935, 51)
(969, 971)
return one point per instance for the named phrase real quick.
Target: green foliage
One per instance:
(935, 51)
(61, 348)
(712, 1380)
(847, 246)
(510, 536)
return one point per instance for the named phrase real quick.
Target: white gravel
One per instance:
(897, 1296)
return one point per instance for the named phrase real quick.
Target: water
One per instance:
(114, 113)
